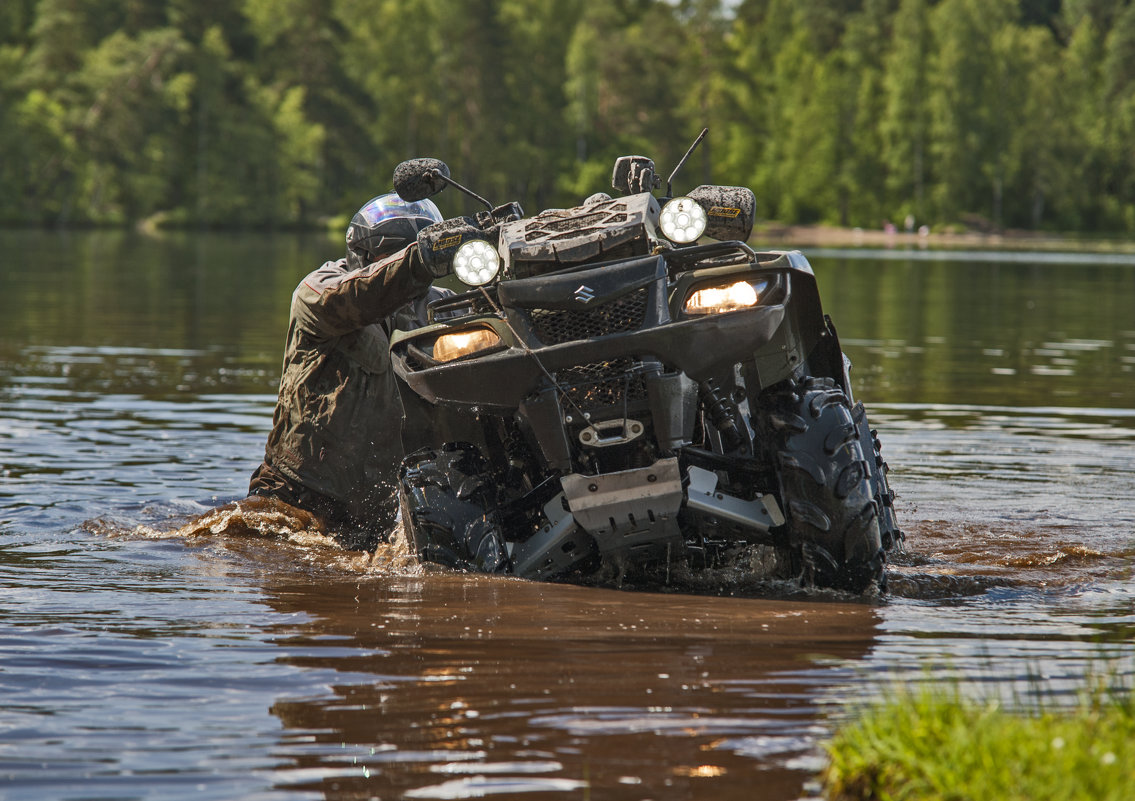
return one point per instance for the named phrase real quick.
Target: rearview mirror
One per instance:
(730, 210)
(634, 174)
(418, 179)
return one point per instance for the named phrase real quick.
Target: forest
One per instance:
(996, 114)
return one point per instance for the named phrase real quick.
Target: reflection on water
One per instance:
(1026, 334)
(153, 645)
(490, 686)
(185, 291)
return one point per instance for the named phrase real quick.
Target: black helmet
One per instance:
(385, 225)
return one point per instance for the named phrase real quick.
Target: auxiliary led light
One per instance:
(682, 220)
(476, 262)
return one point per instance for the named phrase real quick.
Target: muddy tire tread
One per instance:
(832, 516)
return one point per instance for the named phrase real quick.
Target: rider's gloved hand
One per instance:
(438, 242)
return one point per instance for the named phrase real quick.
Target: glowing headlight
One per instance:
(448, 347)
(476, 262)
(717, 299)
(682, 220)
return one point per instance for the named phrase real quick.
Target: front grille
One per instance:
(607, 383)
(627, 313)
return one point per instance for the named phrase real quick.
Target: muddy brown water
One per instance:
(144, 656)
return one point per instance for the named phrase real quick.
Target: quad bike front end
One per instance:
(637, 413)
(608, 391)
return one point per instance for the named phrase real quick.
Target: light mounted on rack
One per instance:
(682, 220)
(476, 262)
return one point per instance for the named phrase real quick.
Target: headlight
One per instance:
(724, 298)
(682, 220)
(476, 262)
(448, 347)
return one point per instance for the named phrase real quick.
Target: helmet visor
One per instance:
(389, 207)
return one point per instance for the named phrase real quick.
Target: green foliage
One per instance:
(16, 19)
(934, 745)
(904, 122)
(1006, 113)
(38, 150)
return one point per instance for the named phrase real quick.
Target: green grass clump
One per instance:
(934, 745)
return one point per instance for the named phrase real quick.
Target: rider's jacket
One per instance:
(335, 430)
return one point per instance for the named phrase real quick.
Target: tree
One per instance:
(296, 57)
(128, 121)
(255, 153)
(637, 101)
(1034, 109)
(1083, 166)
(967, 135)
(904, 122)
(16, 17)
(860, 170)
(281, 112)
(1117, 74)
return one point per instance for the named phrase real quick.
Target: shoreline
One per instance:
(767, 235)
(826, 236)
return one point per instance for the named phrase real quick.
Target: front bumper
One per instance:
(504, 379)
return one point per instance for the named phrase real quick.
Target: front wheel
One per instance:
(831, 516)
(889, 531)
(448, 511)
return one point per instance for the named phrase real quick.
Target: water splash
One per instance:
(258, 526)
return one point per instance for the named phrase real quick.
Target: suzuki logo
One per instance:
(584, 294)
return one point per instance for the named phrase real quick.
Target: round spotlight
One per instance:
(476, 262)
(682, 220)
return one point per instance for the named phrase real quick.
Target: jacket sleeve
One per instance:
(333, 301)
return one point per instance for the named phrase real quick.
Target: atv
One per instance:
(604, 389)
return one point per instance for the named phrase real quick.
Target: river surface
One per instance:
(144, 658)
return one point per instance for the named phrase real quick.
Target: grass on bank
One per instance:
(934, 745)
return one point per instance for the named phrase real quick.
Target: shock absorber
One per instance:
(720, 413)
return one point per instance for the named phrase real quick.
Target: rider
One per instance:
(334, 445)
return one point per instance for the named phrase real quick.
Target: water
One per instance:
(141, 659)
